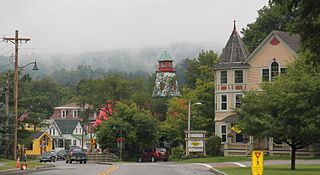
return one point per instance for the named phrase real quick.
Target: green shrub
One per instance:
(213, 146)
(177, 152)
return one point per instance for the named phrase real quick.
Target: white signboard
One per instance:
(194, 149)
(197, 135)
(195, 143)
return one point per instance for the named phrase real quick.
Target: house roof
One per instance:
(235, 51)
(291, 41)
(231, 118)
(39, 134)
(231, 66)
(68, 106)
(165, 56)
(67, 126)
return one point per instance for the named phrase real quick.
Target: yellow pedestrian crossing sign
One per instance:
(257, 162)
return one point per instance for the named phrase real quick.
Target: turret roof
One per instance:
(235, 51)
(165, 56)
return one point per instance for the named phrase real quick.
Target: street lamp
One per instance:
(35, 67)
(15, 99)
(189, 116)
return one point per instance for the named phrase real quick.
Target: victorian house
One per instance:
(239, 71)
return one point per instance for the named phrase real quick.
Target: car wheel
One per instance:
(139, 159)
(80, 161)
(165, 160)
(153, 159)
(40, 161)
(70, 161)
(84, 161)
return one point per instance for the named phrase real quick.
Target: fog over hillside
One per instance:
(122, 60)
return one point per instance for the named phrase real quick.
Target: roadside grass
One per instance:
(210, 159)
(275, 170)
(11, 164)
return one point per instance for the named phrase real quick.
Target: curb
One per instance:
(43, 167)
(217, 172)
(34, 168)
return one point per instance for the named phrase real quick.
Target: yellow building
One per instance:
(41, 142)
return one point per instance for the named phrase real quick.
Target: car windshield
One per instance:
(161, 150)
(76, 150)
(46, 154)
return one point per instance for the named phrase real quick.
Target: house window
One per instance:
(265, 75)
(75, 113)
(274, 70)
(80, 130)
(53, 131)
(223, 133)
(76, 130)
(238, 100)
(224, 102)
(163, 65)
(223, 77)
(239, 137)
(238, 76)
(74, 142)
(283, 71)
(63, 113)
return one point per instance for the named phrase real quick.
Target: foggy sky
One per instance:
(95, 25)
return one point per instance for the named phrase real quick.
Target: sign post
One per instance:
(195, 142)
(257, 162)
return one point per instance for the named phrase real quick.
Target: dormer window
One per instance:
(75, 113)
(63, 113)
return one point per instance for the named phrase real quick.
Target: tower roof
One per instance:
(165, 56)
(235, 51)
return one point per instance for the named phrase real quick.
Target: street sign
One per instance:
(257, 162)
(92, 141)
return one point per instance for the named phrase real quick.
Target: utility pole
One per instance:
(15, 41)
(7, 95)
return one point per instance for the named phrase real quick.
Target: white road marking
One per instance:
(239, 164)
(206, 165)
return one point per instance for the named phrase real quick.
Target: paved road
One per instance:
(161, 168)
(157, 168)
(61, 168)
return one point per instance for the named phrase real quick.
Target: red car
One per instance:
(154, 155)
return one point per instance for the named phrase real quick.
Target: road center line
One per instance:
(109, 170)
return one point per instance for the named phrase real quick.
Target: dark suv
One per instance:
(154, 155)
(76, 154)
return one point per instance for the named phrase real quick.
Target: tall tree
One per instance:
(269, 18)
(305, 21)
(136, 126)
(287, 109)
(200, 68)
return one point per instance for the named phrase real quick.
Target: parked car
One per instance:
(76, 154)
(47, 157)
(61, 155)
(154, 155)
